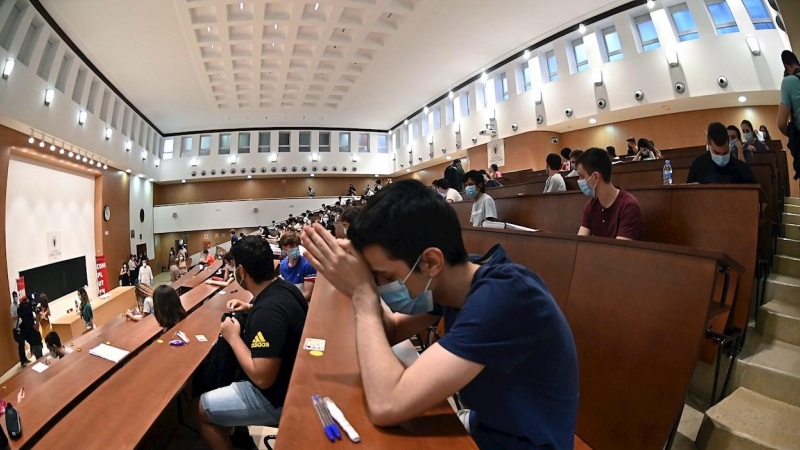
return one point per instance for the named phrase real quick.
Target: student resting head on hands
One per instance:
(511, 356)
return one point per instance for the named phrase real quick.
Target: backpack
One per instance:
(220, 367)
(794, 141)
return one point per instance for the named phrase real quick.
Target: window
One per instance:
(613, 45)
(186, 149)
(464, 105)
(684, 22)
(168, 152)
(504, 85)
(762, 20)
(244, 143)
(437, 118)
(552, 65)
(305, 141)
(324, 141)
(581, 61)
(395, 139)
(526, 76)
(722, 17)
(205, 145)
(449, 111)
(225, 144)
(647, 32)
(363, 142)
(344, 142)
(263, 141)
(383, 143)
(284, 141)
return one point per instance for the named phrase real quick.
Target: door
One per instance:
(141, 249)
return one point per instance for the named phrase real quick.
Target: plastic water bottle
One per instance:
(667, 180)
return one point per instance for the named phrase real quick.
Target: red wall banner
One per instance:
(21, 287)
(102, 275)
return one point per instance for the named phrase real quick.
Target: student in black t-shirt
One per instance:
(265, 349)
(716, 166)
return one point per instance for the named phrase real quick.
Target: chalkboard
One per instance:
(57, 279)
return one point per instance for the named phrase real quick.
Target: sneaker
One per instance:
(467, 418)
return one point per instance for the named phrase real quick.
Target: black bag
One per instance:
(25, 314)
(220, 367)
(794, 142)
(3, 439)
(13, 424)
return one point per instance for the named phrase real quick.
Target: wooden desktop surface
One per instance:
(336, 375)
(71, 325)
(196, 276)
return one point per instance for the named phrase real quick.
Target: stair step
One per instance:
(788, 247)
(791, 201)
(791, 218)
(771, 368)
(791, 231)
(746, 420)
(783, 288)
(780, 321)
(792, 209)
(786, 265)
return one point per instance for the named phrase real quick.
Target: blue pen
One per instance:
(325, 427)
(327, 414)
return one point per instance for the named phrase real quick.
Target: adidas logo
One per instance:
(259, 341)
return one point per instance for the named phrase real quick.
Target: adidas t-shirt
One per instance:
(273, 330)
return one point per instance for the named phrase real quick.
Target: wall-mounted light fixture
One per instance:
(8, 67)
(128, 145)
(48, 96)
(82, 117)
(597, 77)
(672, 57)
(108, 133)
(194, 162)
(144, 155)
(537, 97)
(581, 28)
(273, 157)
(315, 156)
(354, 157)
(752, 43)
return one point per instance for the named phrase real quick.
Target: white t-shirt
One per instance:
(147, 305)
(67, 351)
(145, 275)
(555, 183)
(453, 196)
(482, 208)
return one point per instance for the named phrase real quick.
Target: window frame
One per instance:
(685, 35)
(648, 44)
(287, 147)
(504, 86)
(527, 83)
(385, 147)
(580, 66)
(304, 148)
(363, 148)
(264, 148)
(205, 151)
(345, 148)
(168, 143)
(243, 148)
(760, 21)
(186, 152)
(612, 56)
(224, 150)
(324, 148)
(552, 74)
(725, 27)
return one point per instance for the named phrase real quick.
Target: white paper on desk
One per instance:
(108, 352)
(40, 367)
(107, 295)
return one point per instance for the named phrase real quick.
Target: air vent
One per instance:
(313, 168)
(194, 173)
(203, 173)
(335, 168)
(324, 168)
(355, 169)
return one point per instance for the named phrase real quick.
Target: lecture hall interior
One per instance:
(576, 222)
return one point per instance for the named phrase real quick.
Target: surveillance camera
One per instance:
(514, 127)
(722, 81)
(273, 169)
(203, 173)
(213, 172)
(263, 170)
(568, 112)
(602, 103)
(474, 140)
(194, 173)
(540, 119)
(680, 88)
(458, 145)
(444, 150)
(222, 172)
(639, 95)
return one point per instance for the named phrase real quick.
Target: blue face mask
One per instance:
(294, 253)
(471, 191)
(748, 137)
(732, 144)
(398, 299)
(584, 186)
(721, 160)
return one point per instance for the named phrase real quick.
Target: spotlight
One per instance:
(31, 140)
(128, 145)
(249, 177)
(82, 117)
(484, 77)
(108, 133)
(593, 121)
(8, 68)
(312, 175)
(70, 154)
(276, 26)
(158, 162)
(41, 143)
(52, 147)
(581, 28)
(526, 54)
(742, 99)
(316, 6)
(99, 164)
(425, 110)
(105, 166)
(241, 5)
(127, 170)
(450, 95)
(183, 181)
(61, 152)
(48, 96)
(144, 155)
(85, 159)
(651, 4)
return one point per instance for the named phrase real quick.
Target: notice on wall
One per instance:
(21, 287)
(497, 153)
(102, 275)
(53, 246)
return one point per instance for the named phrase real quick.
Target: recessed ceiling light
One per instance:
(312, 175)
(316, 6)
(209, 29)
(241, 5)
(377, 176)
(408, 170)
(127, 170)
(742, 99)
(212, 46)
(449, 157)
(527, 54)
(273, 44)
(249, 177)
(593, 120)
(183, 181)
(276, 26)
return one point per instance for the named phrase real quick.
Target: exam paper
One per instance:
(108, 352)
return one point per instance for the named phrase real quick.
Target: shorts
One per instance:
(240, 404)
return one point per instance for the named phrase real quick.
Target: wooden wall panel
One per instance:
(116, 245)
(8, 348)
(194, 244)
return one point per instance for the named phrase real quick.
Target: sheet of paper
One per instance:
(200, 338)
(314, 344)
(108, 352)
(40, 367)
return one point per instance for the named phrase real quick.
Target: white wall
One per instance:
(141, 197)
(235, 214)
(41, 200)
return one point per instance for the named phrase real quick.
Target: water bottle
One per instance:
(667, 180)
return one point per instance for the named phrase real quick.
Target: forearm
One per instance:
(244, 358)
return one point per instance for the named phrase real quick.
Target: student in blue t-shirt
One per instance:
(295, 269)
(508, 349)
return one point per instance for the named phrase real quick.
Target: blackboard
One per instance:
(57, 279)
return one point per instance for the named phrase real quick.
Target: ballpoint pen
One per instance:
(327, 415)
(338, 415)
(325, 427)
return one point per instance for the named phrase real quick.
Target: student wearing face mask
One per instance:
(716, 165)
(612, 212)
(450, 195)
(736, 147)
(764, 133)
(751, 142)
(265, 350)
(484, 207)
(511, 356)
(146, 274)
(295, 269)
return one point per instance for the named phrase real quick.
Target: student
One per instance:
(265, 351)
(85, 308)
(453, 175)
(764, 133)
(555, 182)
(631, 143)
(573, 162)
(790, 93)
(751, 142)
(295, 269)
(131, 264)
(612, 212)
(53, 342)
(166, 306)
(174, 272)
(735, 145)
(44, 314)
(511, 356)
(146, 273)
(647, 151)
(208, 258)
(566, 165)
(348, 215)
(351, 192)
(182, 265)
(227, 271)
(234, 237)
(311, 192)
(450, 195)
(489, 182)
(483, 208)
(612, 152)
(171, 258)
(124, 275)
(494, 172)
(716, 165)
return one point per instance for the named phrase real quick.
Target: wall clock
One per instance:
(107, 213)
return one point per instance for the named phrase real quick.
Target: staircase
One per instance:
(763, 410)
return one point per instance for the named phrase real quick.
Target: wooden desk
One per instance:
(71, 325)
(194, 298)
(336, 375)
(187, 282)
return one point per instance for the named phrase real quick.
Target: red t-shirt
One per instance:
(622, 219)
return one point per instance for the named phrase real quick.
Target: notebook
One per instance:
(108, 352)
